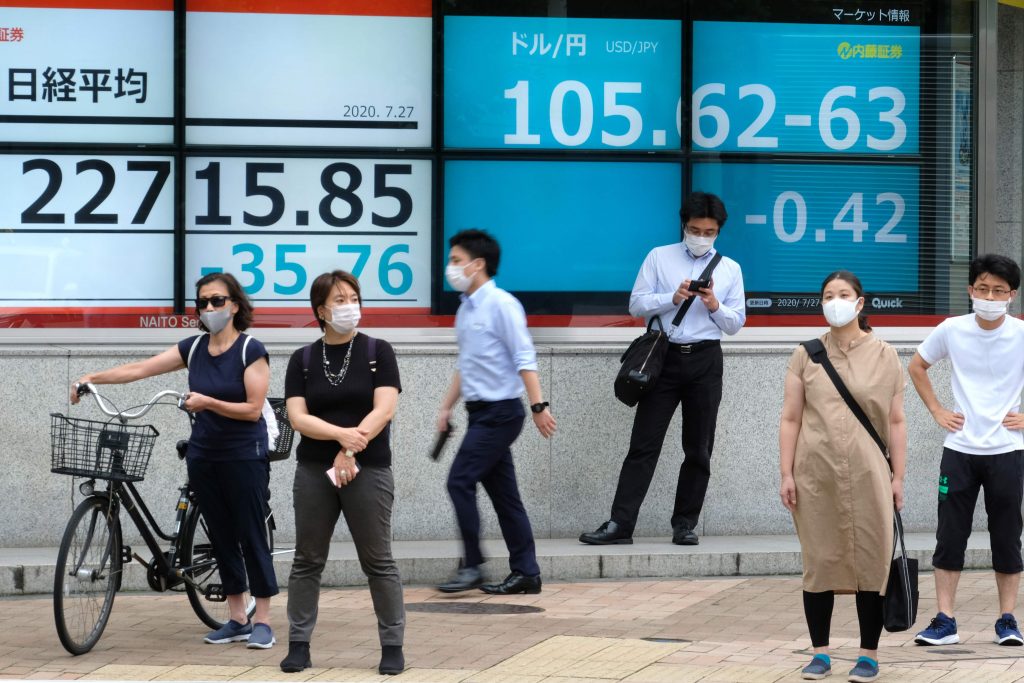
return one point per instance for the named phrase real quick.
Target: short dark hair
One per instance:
(703, 205)
(995, 264)
(854, 281)
(243, 318)
(479, 244)
(322, 286)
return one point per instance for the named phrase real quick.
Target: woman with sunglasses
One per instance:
(342, 391)
(228, 377)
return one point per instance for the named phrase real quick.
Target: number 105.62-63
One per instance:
(289, 275)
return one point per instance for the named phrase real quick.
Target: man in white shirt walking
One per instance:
(983, 449)
(692, 373)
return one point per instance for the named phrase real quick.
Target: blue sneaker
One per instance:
(262, 637)
(942, 631)
(231, 632)
(1007, 632)
(864, 671)
(819, 668)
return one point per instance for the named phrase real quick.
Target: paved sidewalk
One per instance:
(714, 630)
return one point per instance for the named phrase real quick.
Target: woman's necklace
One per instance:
(336, 378)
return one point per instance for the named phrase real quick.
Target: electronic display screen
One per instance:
(309, 73)
(87, 72)
(277, 223)
(86, 231)
(566, 226)
(790, 225)
(562, 83)
(764, 87)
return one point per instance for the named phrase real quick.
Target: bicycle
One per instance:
(92, 555)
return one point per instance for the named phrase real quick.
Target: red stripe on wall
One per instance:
(161, 5)
(373, 8)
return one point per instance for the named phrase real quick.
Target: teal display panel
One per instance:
(788, 87)
(573, 233)
(790, 225)
(562, 83)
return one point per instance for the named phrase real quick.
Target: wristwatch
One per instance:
(539, 407)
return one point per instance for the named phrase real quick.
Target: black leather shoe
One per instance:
(514, 583)
(607, 534)
(465, 579)
(392, 661)
(681, 535)
(297, 659)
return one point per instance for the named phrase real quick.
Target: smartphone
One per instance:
(334, 477)
(696, 285)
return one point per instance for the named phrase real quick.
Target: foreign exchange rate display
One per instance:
(790, 225)
(317, 73)
(278, 223)
(563, 226)
(86, 231)
(87, 71)
(762, 87)
(557, 83)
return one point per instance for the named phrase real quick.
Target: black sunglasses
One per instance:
(217, 302)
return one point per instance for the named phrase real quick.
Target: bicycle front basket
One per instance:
(282, 447)
(100, 450)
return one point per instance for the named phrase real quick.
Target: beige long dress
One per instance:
(843, 487)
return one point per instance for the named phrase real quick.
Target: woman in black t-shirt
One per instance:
(341, 398)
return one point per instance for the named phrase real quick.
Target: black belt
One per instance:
(694, 347)
(473, 406)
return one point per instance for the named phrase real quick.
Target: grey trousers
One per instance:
(366, 504)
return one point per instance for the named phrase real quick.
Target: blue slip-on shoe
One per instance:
(262, 637)
(1007, 632)
(942, 631)
(231, 632)
(819, 668)
(865, 671)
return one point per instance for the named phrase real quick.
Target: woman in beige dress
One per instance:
(835, 480)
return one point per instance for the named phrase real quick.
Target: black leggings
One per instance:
(818, 611)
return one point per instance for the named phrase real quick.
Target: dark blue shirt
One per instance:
(215, 437)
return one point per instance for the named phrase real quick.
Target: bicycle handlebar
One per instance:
(90, 388)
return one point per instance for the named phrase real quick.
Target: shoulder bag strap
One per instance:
(371, 343)
(703, 276)
(816, 350)
(307, 355)
(245, 345)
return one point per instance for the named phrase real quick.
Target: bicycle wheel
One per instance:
(205, 593)
(85, 579)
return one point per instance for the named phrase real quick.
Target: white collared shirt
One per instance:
(664, 270)
(494, 345)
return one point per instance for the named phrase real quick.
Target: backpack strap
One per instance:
(245, 345)
(307, 355)
(372, 352)
(192, 350)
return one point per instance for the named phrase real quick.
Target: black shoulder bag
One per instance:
(643, 360)
(901, 593)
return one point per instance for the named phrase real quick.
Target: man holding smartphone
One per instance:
(669, 276)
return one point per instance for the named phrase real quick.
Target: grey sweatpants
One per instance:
(366, 504)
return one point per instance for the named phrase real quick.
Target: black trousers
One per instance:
(962, 475)
(232, 496)
(485, 457)
(695, 380)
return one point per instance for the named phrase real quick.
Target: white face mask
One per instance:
(457, 278)
(839, 312)
(698, 246)
(990, 310)
(344, 318)
(216, 320)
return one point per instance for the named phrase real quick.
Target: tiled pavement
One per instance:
(725, 630)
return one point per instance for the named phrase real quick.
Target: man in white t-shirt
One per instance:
(983, 449)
